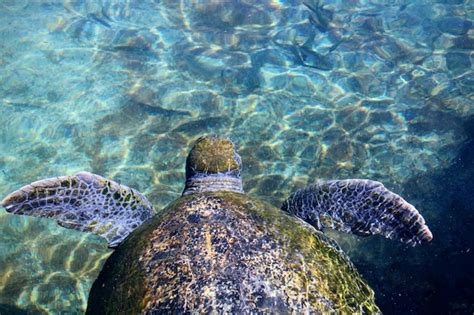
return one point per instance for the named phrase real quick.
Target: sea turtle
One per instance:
(216, 249)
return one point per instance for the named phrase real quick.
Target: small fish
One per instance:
(317, 24)
(100, 20)
(321, 18)
(157, 110)
(341, 40)
(104, 14)
(202, 125)
(312, 59)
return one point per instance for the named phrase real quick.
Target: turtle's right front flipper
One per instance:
(84, 202)
(359, 206)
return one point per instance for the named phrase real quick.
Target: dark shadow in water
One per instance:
(6, 309)
(436, 278)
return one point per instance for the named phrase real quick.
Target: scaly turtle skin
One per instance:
(216, 249)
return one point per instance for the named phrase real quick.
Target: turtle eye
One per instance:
(209, 137)
(200, 139)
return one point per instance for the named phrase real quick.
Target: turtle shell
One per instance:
(227, 252)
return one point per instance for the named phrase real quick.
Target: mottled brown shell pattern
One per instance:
(227, 253)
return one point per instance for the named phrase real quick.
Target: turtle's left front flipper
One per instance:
(84, 202)
(359, 206)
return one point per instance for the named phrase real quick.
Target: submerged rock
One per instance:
(454, 25)
(458, 61)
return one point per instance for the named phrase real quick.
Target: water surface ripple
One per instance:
(336, 89)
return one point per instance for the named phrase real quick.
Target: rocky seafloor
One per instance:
(308, 90)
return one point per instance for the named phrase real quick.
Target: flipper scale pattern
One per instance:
(84, 202)
(359, 206)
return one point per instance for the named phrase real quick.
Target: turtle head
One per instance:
(213, 165)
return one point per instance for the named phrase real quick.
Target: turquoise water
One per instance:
(371, 89)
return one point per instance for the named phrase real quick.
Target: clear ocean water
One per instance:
(308, 90)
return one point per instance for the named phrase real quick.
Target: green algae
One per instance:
(122, 275)
(345, 285)
(212, 155)
(338, 281)
(85, 125)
